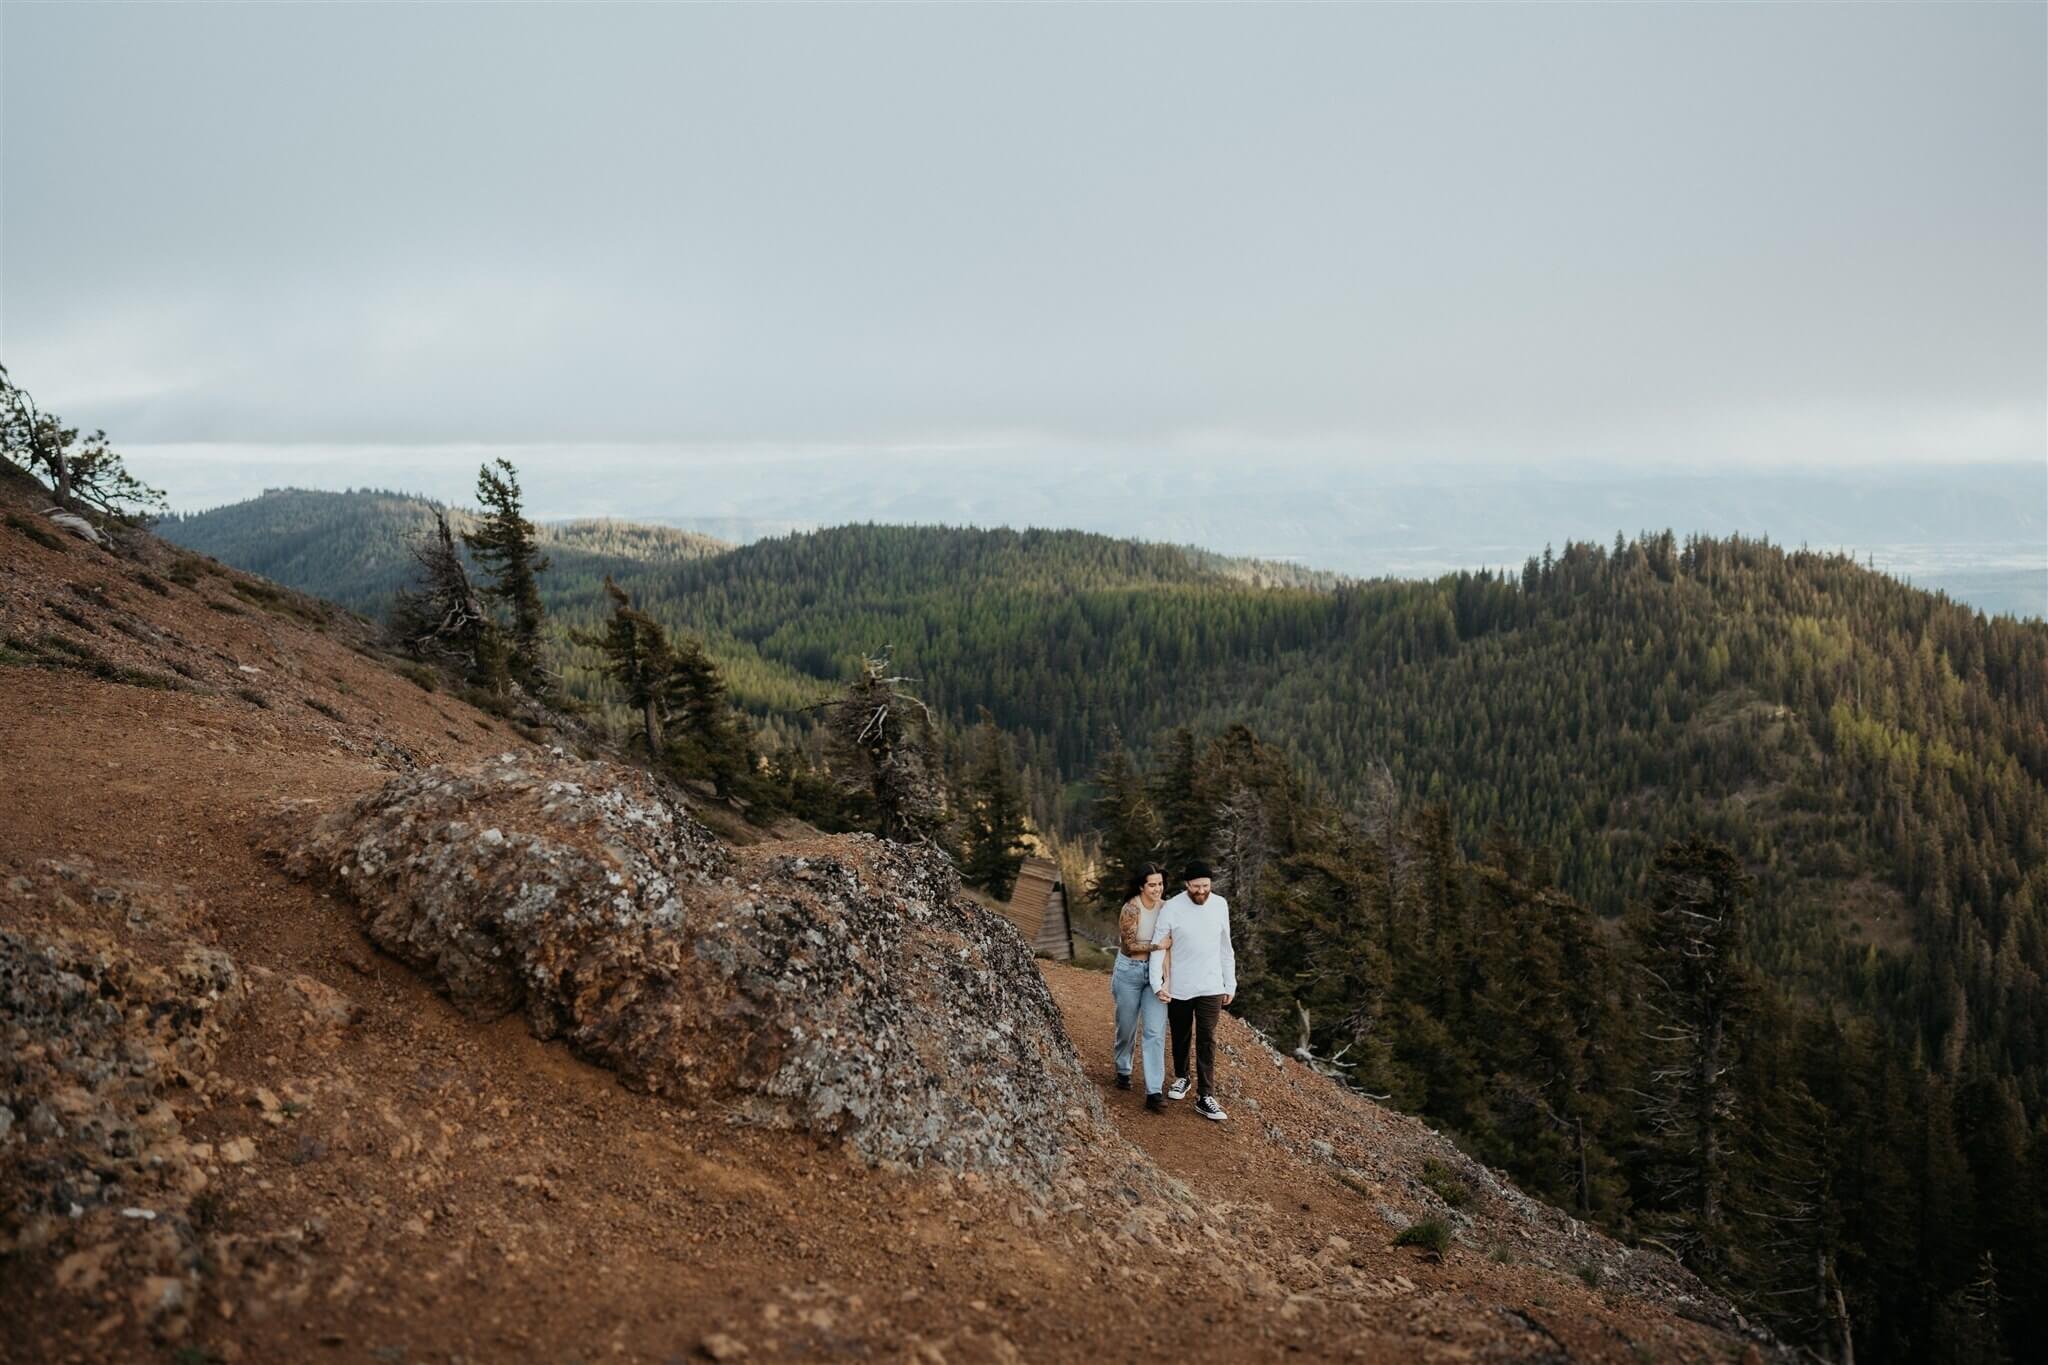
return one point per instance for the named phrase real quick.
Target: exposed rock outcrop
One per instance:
(844, 987)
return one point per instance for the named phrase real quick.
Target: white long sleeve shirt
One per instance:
(1198, 959)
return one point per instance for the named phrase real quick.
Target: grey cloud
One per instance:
(1483, 231)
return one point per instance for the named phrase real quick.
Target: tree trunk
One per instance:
(1585, 1184)
(653, 723)
(1835, 1311)
(1709, 1126)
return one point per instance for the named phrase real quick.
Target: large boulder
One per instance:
(843, 986)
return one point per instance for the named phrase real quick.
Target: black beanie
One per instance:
(1196, 871)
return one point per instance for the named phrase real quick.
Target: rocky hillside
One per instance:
(342, 1020)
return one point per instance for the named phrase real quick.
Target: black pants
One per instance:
(1201, 1012)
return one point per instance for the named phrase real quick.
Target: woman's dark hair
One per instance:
(1143, 873)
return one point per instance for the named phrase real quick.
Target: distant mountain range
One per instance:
(1977, 532)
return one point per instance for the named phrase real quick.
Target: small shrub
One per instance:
(225, 608)
(253, 697)
(75, 617)
(1592, 1274)
(52, 650)
(271, 598)
(332, 713)
(483, 699)
(53, 644)
(152, 582)
(41, 535)
(1355, 1183)
(184, 572)
(420, 676)
(94, 594)
(141, 677)
(1430, 1234)
(1445, 1184)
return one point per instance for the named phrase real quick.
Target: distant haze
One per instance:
(1979, 532)
(955, 259)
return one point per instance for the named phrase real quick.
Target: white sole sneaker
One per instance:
(1178, 1090)
(1211, 1111)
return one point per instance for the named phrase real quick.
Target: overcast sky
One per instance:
(1691, 235)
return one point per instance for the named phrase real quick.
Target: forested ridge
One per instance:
(1451, 808)
(353, 547)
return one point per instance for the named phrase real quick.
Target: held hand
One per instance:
(1166, 996)
(1228, 998)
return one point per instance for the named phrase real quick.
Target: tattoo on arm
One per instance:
(1127, 933)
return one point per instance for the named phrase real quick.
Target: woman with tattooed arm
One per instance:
(1139, 1010)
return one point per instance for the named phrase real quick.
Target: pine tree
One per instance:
(883, 737)
(503, 546)
(638, 660)
(82, 470)
(994, 814)
(443, 618)
(1689, 941)
(1126, 824)
(1187, 815)
(708, 739)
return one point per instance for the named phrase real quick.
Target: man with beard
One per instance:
(1196, 976)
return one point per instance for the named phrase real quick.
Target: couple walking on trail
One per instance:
(1174, 969)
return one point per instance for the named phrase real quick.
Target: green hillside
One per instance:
(351, 547)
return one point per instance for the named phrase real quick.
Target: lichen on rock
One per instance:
(843, 987)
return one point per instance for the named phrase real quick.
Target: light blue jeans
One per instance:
(1130, 983)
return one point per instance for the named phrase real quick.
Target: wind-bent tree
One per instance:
(638, 657)
(882, 736)
(685, 719)
(443, 617)
(503, 545)
(707, 738)
(995, 814)
(80, 469)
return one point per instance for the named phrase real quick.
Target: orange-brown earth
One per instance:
(374, 1177)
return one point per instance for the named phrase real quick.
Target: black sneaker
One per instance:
(1123, 1080)
(1209, 1109)
(1155, 1103)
